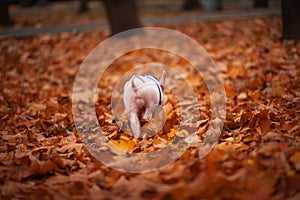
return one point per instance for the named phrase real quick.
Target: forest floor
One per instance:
(256, 157)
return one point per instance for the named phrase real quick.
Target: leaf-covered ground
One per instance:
(257, 155)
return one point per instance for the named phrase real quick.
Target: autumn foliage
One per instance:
(257, 155)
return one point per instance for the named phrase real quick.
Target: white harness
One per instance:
(143, 81)
(160, 92)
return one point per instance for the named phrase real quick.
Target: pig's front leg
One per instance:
(135, 125)
(147, 114)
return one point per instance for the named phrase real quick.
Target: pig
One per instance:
(143, 98)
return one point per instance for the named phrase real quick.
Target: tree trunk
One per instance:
(5, 19)
(83, 6)
(290, 19)
(261, 3)
(190, 4)
(122, 15)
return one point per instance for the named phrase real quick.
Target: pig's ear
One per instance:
(162, 80)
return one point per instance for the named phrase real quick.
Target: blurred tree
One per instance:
(190, 4)
(5, 19)
(212, 5)
(290, 19)
(261, 3)
(83, 6)
(122, 15)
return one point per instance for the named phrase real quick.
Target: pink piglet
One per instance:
(143, 97)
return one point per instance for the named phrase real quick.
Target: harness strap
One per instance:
(158, 87)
